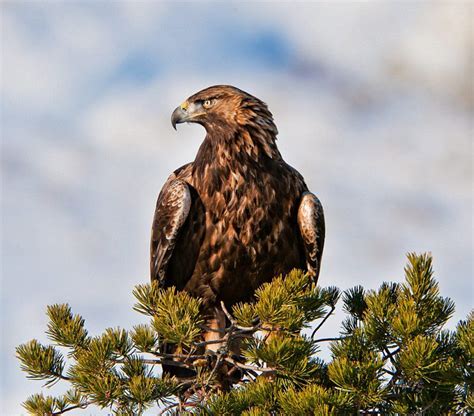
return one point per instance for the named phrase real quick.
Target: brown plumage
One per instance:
(238, 215)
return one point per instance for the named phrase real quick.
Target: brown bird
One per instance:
(239, 214)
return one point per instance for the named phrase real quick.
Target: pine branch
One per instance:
(391, 357)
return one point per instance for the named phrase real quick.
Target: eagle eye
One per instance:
(208, 103)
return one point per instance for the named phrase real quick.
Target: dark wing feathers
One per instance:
(172, 209)
(312, 229)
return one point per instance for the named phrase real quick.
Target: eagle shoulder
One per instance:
(312, 229)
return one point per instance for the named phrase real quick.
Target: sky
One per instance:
(373, 102)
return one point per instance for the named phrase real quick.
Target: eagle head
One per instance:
(224, 107)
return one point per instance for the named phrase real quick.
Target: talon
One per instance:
(201, 362)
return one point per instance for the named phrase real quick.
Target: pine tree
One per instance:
(392, 355)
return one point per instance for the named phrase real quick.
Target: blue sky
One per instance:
(373, 102)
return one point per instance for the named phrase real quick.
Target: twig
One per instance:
(234, 322)
(227, 313)
(429, 405)
(163, 411)
(185, 356)
(236, 334)
(77, 406)
(250, 367)
(389, 354)
(324, 320)
(209, 329)
(156, 362)
(389, 372)
(329, 339)
(212, 341)
(181, 406)
(59, 376)
(167, 362)
(218, 363)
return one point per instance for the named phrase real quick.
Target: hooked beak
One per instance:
(187, 113)
(180, 115)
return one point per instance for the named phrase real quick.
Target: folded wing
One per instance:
(312, 229)
(172, 210)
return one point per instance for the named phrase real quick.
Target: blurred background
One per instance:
(373, 101)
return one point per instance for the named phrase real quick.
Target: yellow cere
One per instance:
(184, 106)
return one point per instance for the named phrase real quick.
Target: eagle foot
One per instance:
(207, 361)
(201, 362)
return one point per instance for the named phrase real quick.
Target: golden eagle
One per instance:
(238, 215)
